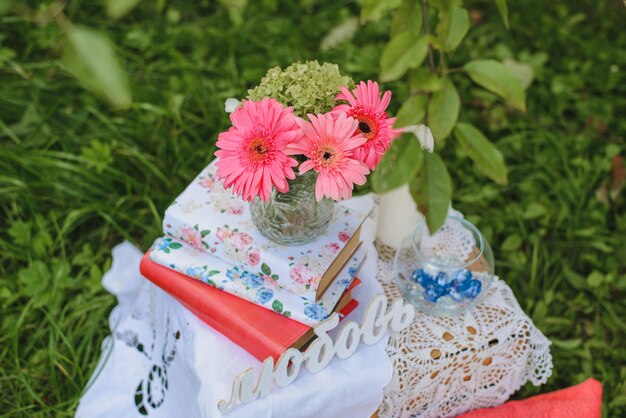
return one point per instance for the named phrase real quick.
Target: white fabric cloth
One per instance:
(161, 361)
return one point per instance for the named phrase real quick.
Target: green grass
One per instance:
(77, 177)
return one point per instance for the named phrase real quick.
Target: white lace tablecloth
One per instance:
(446, 366)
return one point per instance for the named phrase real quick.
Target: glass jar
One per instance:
(446, 273)
(295, 217)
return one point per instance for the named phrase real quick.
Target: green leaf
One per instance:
(524, 72)
(534, 210)
(118, 8)
(399, 165)
(36, 282)
(586, 232)
(452, 28)
(277, 306)
(175, 245)
(423, 80)
(60, 274)
(403, 52)
(602, 246)
(235, 9)
(511, 243)
(595, 278)
(540, 311)
(443, 110)
(496, 77)
(432, 191)
(407, 18)
(341, 33)
(89, 56)
(444, 5)
(412, 111)
(486, 156)
(373, 10)
(20, 231)
(504, 11)
(6, 6)
(97, 154)
(85, 257)
(204, 233)
(213, 273)
(266, 269)
(570, 344)
(575, 279)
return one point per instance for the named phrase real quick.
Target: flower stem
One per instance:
(431, 58)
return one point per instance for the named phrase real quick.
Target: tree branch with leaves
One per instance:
(418, 55)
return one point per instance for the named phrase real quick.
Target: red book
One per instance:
(259, 331)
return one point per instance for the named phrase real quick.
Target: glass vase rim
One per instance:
(466, 223)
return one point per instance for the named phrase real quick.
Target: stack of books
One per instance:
(262, 296)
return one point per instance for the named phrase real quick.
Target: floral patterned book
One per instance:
(260, 290)
(212, 219)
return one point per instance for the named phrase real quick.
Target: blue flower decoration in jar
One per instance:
(460, 285)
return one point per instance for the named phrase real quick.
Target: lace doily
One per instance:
(446, 366)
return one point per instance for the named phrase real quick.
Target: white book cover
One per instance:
(212, 219)
(260, 290)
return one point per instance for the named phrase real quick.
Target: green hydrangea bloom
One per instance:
(308, 87)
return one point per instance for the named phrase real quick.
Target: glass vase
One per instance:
(295, 217)
(446, 273)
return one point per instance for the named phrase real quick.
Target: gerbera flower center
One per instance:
(326, 156)
(367, 126)
(368, 122)
(258, 148)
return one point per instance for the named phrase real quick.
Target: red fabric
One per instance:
(583, 400)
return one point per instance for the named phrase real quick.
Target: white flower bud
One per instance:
(231, 104)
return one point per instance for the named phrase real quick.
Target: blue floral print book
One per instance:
(261, 290)
(212, 219)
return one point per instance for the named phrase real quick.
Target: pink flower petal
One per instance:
(253, 152)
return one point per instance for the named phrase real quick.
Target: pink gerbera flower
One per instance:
(328, 143)
(252, 153)
(366, 105)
